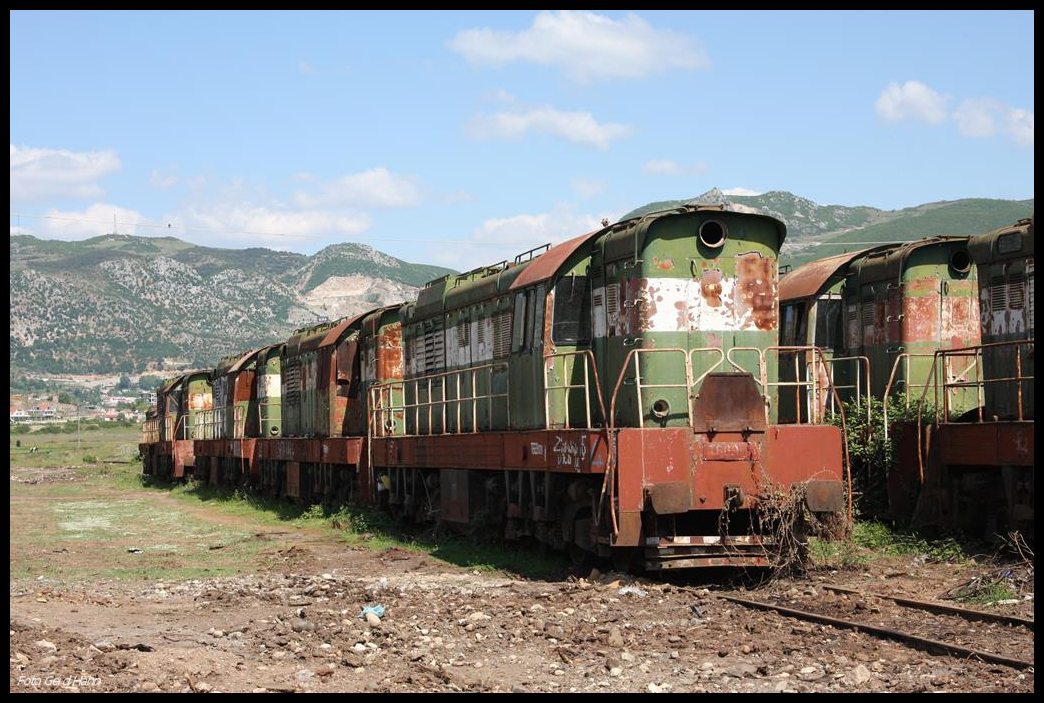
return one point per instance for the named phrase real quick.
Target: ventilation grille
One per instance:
(998, 294)
(612, 298)
(502, 334)
(1017, 291)
(867, 310)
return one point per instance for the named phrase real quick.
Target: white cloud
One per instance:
(912, 100)
(305, 67)
(1019, 125)
(48, 174)
(585, 46)
(248, 224)
(500, 95)
(579, 127)
(986, 117)
(587, 187)
(504, 237)
(377, 187)
(669, 167)
(977, 117)
(158, 179)
(741, 191)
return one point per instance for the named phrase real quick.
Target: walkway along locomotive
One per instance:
(616, 394)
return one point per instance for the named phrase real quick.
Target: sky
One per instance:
(462, 139)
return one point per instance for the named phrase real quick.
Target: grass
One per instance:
(370, 527)
(106, 483)
(115, 444)
(873, 540)
(990, 594)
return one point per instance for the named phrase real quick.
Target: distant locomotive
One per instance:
(880, 314)
(977, 473)
(617, 394)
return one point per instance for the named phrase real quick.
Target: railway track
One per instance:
(1007, 638)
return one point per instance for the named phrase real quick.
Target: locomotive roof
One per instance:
(889, 262)
(808, 279)
(1012, 242)
(232, 364)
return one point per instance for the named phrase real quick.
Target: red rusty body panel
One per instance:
(563, 451)
(343, 450)
(756, 290)
(782, 456)
(805, 281)
(985, 444)
(545, 265)
(389, 353)
(184, 455)
(335, 332)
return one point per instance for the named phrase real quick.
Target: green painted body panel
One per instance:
(911, 299)
(269, 393)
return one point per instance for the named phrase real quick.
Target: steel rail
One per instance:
(885, 633)
(945, 608)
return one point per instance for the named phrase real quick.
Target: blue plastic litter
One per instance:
(377, 610)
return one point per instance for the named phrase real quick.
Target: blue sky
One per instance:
(460, 138)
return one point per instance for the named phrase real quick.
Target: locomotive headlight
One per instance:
(712, 234)
(960, 261)
(661, 409)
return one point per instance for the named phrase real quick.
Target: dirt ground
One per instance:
(282, 614)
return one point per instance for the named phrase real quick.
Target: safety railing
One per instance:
(207, 424)
(566, 389)
(150, 431)
(902, 361)
(239, 422)
(265, 415)
(814, 384)
(384, 407)
(859, 389)
(941, 390)
(689, 386)
(942, 411)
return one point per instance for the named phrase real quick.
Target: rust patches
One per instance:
(665, 265)
(921, 319)
(389, 352)
(683, 314)
(710, 287)
(756, 290)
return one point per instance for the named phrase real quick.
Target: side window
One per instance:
(829, 330)
(789, 326)
(571, 324)
(518, 334)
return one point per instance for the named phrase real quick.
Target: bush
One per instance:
(871, 457)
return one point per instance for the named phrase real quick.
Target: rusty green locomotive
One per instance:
(617, 394)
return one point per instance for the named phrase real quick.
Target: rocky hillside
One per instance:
(815, 231)
(125, 303)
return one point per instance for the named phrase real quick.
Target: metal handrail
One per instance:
(589, 358)
(150, 431)
(931, 378)
(383, 408)
(263, 415)
(944, 418)
(862, 394)
(813, 385)
(633, 354)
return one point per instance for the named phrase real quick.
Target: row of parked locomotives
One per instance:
(617, 394)
(944, 328)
